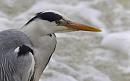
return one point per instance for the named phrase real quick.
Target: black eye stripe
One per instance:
(49, 16)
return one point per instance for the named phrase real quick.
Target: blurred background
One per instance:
(81, 56)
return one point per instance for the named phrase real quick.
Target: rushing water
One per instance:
(81, 56)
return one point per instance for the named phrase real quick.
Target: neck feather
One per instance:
(33, 31)
(37, 28)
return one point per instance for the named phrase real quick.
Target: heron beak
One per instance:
(78, 26)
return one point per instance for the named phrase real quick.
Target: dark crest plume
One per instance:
(49, 16)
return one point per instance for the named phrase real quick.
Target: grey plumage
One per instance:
(13, 68)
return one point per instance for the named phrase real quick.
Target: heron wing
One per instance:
(12, 67)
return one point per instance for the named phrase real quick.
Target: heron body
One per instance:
(12, 66)
(26, 52)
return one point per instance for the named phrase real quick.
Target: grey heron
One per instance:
(16, 56)
(38, 37)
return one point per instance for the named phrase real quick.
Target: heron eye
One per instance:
(61, 22)
(58, 22)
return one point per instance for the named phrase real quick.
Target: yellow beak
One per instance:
(78, 26)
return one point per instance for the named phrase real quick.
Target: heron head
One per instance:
(55, 22)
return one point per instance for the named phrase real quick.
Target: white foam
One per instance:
(59, 77)
(118, 41)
